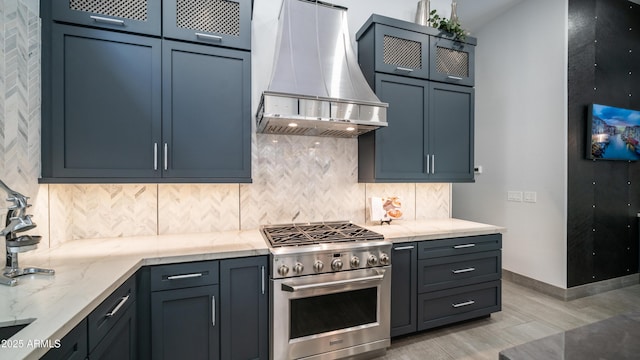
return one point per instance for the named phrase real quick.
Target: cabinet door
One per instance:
(220, 22)
(450, 132)
(206, 112)
(452, 61)
(403, 289)
(120, 342)
(400, 147)
(185, 324)
(105, 103)
(139, 16)
(73, 346)
(244, 309)
(401, 52)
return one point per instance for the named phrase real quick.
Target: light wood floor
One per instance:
(526, 315)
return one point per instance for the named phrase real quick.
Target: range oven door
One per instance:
(330, 316)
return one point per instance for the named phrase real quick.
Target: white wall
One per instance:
(520, 137)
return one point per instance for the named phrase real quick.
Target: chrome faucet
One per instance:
(18, 221)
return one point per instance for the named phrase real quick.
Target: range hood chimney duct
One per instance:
(317, 87)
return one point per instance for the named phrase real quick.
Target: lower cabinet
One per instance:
(439, 282)
(208, 310)
(120, 342)
(73, 346)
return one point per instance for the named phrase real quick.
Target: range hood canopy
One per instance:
(317, 87)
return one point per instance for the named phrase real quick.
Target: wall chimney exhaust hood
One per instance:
(317, 87)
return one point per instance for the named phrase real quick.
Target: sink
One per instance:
(8, 329)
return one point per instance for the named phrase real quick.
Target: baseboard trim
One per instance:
(575, 292)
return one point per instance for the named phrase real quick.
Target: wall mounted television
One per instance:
(614, 133)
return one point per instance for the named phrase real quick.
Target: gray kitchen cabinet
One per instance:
(185, 311)
(105, 104)
(429, 137)
(452, 61)
(244, 302)
(206, 111)
(119, 107)
(224, 22)
(141, 16)
(458, 279)
(431, 122)
(443, 281)
(73, 346)
(404, 289)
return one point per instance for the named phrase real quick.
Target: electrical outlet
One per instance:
(530, 196)
(514, 196)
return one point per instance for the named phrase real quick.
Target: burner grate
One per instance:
(317, 233)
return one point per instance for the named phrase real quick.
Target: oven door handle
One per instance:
(360, 280)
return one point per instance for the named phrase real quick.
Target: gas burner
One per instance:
(317, 233)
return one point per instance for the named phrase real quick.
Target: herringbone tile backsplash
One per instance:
(295, 179)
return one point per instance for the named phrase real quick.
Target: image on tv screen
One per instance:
(615, 133)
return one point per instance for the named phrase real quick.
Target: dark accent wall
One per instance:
(603, 196)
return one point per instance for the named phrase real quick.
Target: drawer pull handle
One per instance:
(454, 77)
(208, 37)
(462, 271)
(403, 248)
(107, 20)
(186, 276)
(404, 69)
(466, 303)
(120, 304)
(464, 246)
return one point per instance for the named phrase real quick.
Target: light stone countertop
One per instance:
(88, 271)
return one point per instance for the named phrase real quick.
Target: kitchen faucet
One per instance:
(18, 221)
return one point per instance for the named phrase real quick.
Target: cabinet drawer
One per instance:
(452, 271)
(177, 276)
(458, 246)
(452, 62)
(447, 306)
(139, 16)
(220, 22)
(401, 52)
(107, 314)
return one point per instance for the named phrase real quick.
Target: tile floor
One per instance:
(526, 315)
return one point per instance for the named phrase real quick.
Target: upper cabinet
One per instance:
(426, 78)
(138, 16)
(137, 105)
(222, 22)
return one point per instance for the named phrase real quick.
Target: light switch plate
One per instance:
(514, 196)
(530, 196)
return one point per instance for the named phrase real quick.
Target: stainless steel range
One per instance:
(330, 291)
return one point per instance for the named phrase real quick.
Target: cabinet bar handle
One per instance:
(262, 273)
(155, 156)
(454, 77)
(208, 37)
(464, 246)
(107, 20)
(466, 303)
(427, 163)
(461, 271)
(433, 164)
(166, 156)
(403, 69)
(185, 276)
(213, 310)
(115, 309)
(403, 248)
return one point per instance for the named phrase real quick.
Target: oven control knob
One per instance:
(372, 260)
(298, 268)
(384, 259)
(355, 262)
(336, 264)
(318, 266)
(283, 270)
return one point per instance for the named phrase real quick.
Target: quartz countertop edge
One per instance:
(89, 270)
